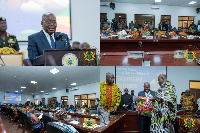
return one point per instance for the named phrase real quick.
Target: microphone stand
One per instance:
(140, 44)
(101, 57)
(2, 60)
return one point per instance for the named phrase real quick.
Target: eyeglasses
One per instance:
(51, 22)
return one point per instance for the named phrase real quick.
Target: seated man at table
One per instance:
(187, 100)
(7, 40)
(47, 38)
(145, 32)
(110, 94)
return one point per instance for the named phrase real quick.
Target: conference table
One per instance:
(157, 58)
(132, 122)
(115, 125)
(161, 44)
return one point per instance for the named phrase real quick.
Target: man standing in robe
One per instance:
(164, 110)
(110, 94)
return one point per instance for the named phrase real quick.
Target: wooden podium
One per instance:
(72, 57)
(12, 60)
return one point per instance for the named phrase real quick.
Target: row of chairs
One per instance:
(24, 121)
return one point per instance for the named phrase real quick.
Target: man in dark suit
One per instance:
(47, 38)
(145, 121)
(126, 101)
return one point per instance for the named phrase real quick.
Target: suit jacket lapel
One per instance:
(44, 40)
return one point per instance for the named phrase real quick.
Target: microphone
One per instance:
(140, 43)
(58, 37)
(101, 57)
(2, 60)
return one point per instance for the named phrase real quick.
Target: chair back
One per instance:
(20, 116)
(46, 118)
(55, 128)
(27, 122)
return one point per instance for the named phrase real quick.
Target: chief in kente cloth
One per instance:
(7, 40)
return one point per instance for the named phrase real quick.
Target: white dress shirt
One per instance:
(48, 37)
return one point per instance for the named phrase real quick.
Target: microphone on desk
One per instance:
(140, 43)
(101, 57)
(2, 60)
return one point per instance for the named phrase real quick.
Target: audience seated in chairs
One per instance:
(32, 123)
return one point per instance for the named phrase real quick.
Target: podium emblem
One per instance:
(89, 56)
(69, 59)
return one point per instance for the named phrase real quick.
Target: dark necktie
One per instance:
(53, 45)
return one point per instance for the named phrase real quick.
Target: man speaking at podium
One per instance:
(47, 38)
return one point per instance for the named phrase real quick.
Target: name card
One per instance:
(135, 54)
(190, 37)
(180, 53)
(149, 37)
(174, 37)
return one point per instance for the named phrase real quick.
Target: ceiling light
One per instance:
(157, 0)
(54, 88)
(33, 82)
(32, 93)
(21, 90)
(120, 16)
(73, 84)
(192, 2)
(15, 76)
(54, 71)
(23, 87)
(41, 91)
(16, 91)
(66, 79)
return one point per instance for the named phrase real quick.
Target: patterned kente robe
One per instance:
(164, 110)
(110, 95)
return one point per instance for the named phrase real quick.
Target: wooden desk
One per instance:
(157, 58)
(123, 45)
(179, 123)
(131, 123)
(115, 125)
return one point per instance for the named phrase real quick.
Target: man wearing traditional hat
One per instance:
(47, 38)
(7, 40)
